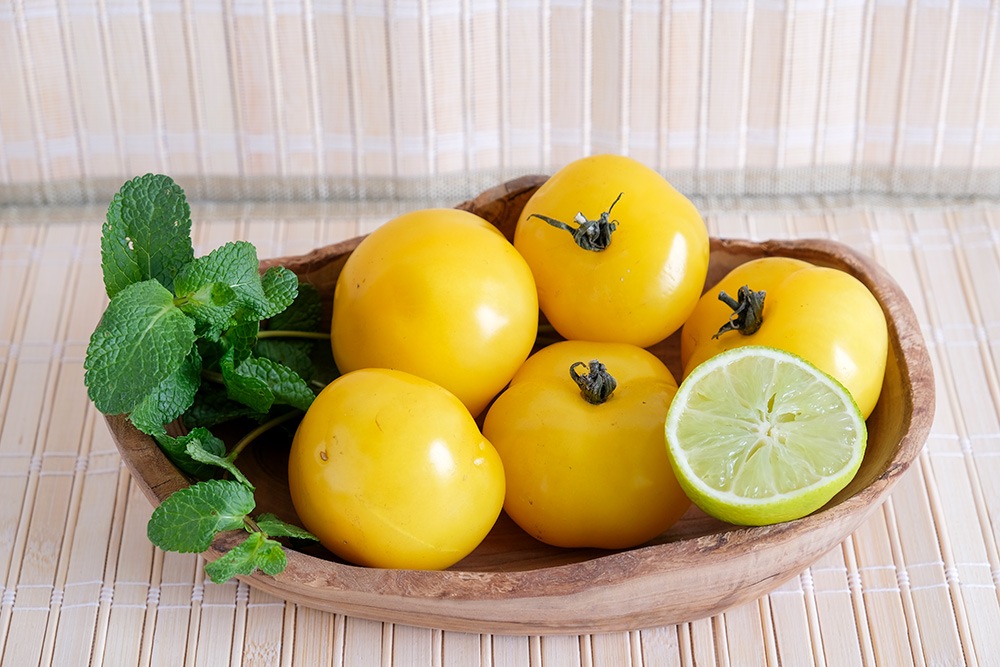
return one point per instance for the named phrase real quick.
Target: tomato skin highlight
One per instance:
(584, 475)
(824, 315)
(390, 470)
(645, 283)
(439, 293)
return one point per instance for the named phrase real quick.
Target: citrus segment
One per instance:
(758, 436)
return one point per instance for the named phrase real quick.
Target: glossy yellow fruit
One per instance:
(439, 293)
(618, 254)
(583, 474)
(824, 315)
(390, 470)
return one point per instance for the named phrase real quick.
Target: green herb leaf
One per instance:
(197, 452)
(245, 388)
(284, 383)
(271, 525)
(303, 314)
(235, 265)
(212, 306)
(323, 362)
(169, 401)
(212, 406)
(142, 339)
(255, 552)
(280, 286)
(176, 450)
(147, 234)
(295, 354)
(288, 387)
(242, 335)
(189, 519)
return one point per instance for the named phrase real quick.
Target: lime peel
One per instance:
(758, 436)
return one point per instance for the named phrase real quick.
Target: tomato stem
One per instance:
(589, 234)
(597, 385)
(748, 311)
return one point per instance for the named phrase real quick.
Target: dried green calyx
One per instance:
(589, 234)
(748, 311)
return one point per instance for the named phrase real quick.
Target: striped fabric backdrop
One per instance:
(323, 99)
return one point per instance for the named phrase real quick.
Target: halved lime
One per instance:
(758, 436)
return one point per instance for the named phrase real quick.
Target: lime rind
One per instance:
(757, 436)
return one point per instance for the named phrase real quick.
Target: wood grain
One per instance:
(512, 584)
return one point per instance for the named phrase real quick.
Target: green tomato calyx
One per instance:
(748, 311)
(597, 384)
(589, 234)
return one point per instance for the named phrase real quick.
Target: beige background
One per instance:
(295, 123)
(318, 99)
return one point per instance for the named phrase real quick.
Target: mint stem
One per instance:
(260, 430)
(287, 333)
(213, 376)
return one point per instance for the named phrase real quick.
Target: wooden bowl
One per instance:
(513, 584)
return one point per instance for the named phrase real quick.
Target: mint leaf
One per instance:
(212, 306)
(243, 388)
(142, 340)
(271, 525)
(323, 362)
(189, 519)
(212, 406)
(235, 265)
(177, 450)
(147, 234)
(242, 335)
(303, 314)
(295, 354)
(287, 387)
(262, 383)
(196, 451)
(280, 286)
(169, 400)
(255, 552)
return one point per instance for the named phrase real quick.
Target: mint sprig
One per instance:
(179, 338)
(275, 527)
(303, 315)
(170, 398)
(142, 340)
(178, 450)
(190, 518)
(256, 552)
(147, 234)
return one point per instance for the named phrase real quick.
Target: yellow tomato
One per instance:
(439, 293)
(821, 314)
(390, 470)
(582, 473)
(618, 254)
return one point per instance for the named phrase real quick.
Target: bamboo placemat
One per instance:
(400, 94)
(917, 584)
